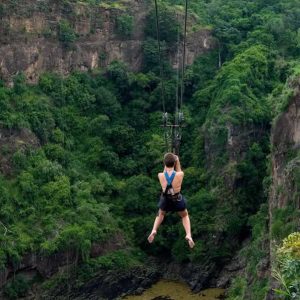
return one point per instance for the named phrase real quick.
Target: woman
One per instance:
(171, 198)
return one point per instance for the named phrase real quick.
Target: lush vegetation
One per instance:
(288, 267)
(94, 173)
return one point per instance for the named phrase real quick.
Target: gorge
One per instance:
(82, 143)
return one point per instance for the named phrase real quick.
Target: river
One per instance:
(174, 290)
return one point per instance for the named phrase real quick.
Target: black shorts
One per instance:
(167, 205)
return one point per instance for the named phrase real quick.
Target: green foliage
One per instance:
(58, 190)
(251, 172)
(237, 289)
(232, 87)
(290, 246)
(288, 267)
(66, 34)
(198, 75)
(254, 253)
(150, 51)
(260, 288)
(124, 25)
(134, 198)
(20, 84)
(240, 24)
(115, 260)
(168, 37)
(283, 93)
(95, 172)
(68, 186)
(285, 221)
(166, 17)
(117, 71)
(17, 288)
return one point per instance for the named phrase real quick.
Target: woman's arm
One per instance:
(177, 164)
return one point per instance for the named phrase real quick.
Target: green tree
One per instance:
(124, 25)
(66, 34)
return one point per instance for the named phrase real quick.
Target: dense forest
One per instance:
(88, 172)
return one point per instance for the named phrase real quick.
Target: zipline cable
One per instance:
(176, 128)
(179, 114)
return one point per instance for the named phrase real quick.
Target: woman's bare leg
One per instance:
(158, 220)
(187, 227)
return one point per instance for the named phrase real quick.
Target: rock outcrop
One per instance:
(47, 265)
(110, 284)
(30, 41)
(285, 159)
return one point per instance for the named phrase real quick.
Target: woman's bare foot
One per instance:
(151, 236)
(190, 241)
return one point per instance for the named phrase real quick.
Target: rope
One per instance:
(179, 115)
(175, 130)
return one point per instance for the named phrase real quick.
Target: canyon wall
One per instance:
(31, 40)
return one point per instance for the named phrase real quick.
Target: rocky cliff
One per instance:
(285, 158)
(34, 265)
(31, 40)
(284, 198)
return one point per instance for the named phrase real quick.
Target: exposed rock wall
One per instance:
(47, 265)
(285, 142)
(29, 37)
(106, 285)
(285, 160)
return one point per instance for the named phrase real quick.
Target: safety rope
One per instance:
(176, 128)
(179, 114)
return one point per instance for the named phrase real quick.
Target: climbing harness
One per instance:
(170, 178)
(169, 193)
(172, 131)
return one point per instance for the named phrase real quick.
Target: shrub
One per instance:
(17, 288)
(66, 34)
(168, 33)
(288, 267)
(124, 25)
(20, 84)
(237, 289)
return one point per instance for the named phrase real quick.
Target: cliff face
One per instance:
(285, 155)
(33, 264)
(30, 41)
(285, 165)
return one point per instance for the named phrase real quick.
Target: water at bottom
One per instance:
(174, 290)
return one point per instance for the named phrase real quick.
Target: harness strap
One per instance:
(170, 178)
